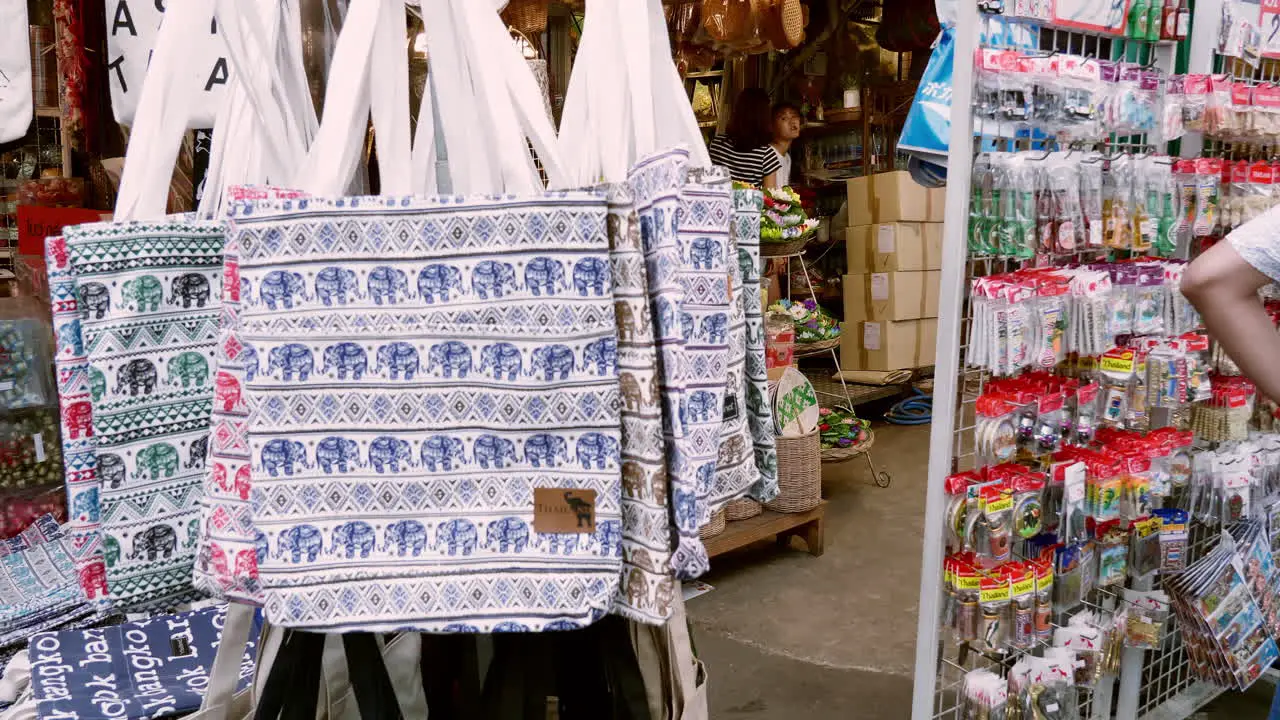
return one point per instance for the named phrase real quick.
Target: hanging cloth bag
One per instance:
(15, 71)
(147, 286)
(133, 37)
(267, 142)
(456, 386)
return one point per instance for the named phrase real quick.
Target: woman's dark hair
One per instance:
(751, 124)
(783, 106)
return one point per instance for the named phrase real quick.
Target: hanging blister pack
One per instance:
(1117, 202)
(1082, 87)
(1173, 539)
(1091, 199)
(1149, 293)
(982, 204)
(1172, 110)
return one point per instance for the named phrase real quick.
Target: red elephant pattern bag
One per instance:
(79, 446)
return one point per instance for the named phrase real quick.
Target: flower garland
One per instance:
(812, 322)
(840, 428)
(783, 218)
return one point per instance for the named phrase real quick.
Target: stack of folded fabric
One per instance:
(39, 588)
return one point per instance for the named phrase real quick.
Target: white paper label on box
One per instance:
(38, 439)
(879, 286)
(871, 336)
(6, 385)
(886, 239)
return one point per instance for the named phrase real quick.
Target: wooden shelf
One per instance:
(741, 533)
(45, 111)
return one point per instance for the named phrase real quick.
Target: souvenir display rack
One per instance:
(1150, 684)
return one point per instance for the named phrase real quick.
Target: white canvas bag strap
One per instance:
(389, 99)
(469, 168)
(349, 97)
(161, 118)
(224, 675)
(673, 113)
(518, 113)
(594, 123)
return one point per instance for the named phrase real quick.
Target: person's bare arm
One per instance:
(1224, 288)
(771, 180)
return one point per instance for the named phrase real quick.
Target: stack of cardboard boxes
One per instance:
(894, 245)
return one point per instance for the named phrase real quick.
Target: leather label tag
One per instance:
(559, 510)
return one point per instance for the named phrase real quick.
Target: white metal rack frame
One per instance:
(1153, 685)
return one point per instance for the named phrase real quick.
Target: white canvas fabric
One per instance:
(16, 108)
(132, 27)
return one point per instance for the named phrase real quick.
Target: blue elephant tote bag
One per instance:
(647, 587)
(403, 420)
(655, 184)
(706, 210)
(149, 295)
(79, 446)
(752, 383)
(736, 469)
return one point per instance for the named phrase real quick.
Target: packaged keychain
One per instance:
(1146, 614)
(1195, 102)
(1067, 579)
(1091, 204)
(1208, 182)
(1149, 294)
(1073, 527)
(1113, 554)
(968, 609)
(1117, 199)
(1022, 605)
(994, 528)
(1172, 111)
(1044, 599)
(1116, 378)
(981, 207)
(996, 434)
(994, 600)
(1146, 548)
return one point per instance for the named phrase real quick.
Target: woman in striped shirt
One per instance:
(744, 147)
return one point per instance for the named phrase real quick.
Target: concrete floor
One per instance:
(787, 636)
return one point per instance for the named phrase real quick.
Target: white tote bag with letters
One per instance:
(15, 71)
(131, 36)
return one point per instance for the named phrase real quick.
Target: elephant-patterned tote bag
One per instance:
(418, 371)
(149, 296)
(79, 446)
(655, 184)
(647, 589)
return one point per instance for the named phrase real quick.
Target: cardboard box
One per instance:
(887, 345)
(893, 247)
(937, 206)
(891, 295)
(892, 197)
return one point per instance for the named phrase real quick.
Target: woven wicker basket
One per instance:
(783, 249)
(784, 23)
(841, 454)
(527, 16)
(741, 509)
(714, 527)
(799, 474)
(805, 349)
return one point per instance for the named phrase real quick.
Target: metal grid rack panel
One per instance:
(950, 671)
